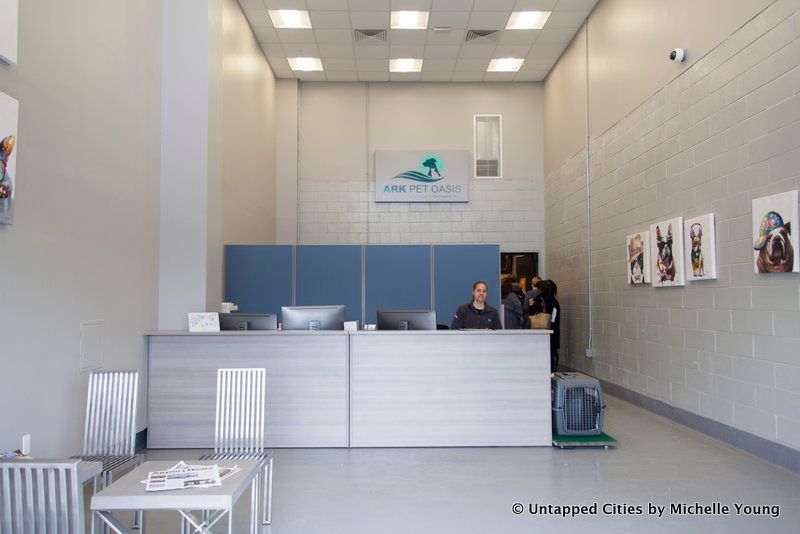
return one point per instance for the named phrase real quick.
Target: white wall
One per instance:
(341, 125)
(725, 131)
(248, 134)
(84, 241)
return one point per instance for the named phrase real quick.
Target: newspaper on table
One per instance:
(181, 476)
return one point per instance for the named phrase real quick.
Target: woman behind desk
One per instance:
(477, 314)
(547, 302)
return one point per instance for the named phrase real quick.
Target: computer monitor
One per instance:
(248, 321)
(313, 317)
(406, 320)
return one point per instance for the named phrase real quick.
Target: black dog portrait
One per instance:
(665, 260)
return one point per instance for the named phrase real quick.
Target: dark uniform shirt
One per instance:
(467, 316)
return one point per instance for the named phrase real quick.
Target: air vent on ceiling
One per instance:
(481, 35)
(370, 35)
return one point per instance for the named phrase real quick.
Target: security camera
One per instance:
(678, 54)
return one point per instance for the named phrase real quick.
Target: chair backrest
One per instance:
(241, 396)
(40, 496)
(111, 413)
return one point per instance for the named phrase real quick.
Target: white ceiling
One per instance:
(446, 57)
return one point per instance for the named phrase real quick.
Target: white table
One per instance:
(128, 494)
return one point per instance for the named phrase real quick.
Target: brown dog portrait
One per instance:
(777, 254)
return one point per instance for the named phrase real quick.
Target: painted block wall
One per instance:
(341, 125)
(724, 132)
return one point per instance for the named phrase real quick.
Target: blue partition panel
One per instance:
(456, 268)
(258, 278)
(398, 277)
(329, 274)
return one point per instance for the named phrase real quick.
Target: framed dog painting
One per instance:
(775, 248)
(638, 264)
(666, 253)
(701, 248)
(9, 112)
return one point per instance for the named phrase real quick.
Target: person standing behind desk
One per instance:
(530, 296)
(547, 302)
(477, 314)
(512, 307)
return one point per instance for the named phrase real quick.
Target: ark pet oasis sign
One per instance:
(421, 176)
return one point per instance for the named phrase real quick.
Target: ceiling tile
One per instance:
(467, 65)
(296, 36)
(251, 4)
(365, 64)
(321, 20)
(341, 75)
(477, 50)
(570, 20)
(555, 36)
(369, 20)
(488, 20)
(410, 5)
(408, 37)
(432, 64)
(285, 4)
(535, 5)
(336, 50)
(338, 63)
(453, 19)
(310, 76)
(404, 76)
(519, 51)
(530, 76)
(411, 51)
(373, 76)
(537, 63)
(266, 35)
(435, 76)
(339, 37)
(327, 5)
(378, 51)
(493, 5)
(369, 5)
(546, 50)
(454, 36)
(258, 18)
(467, 76)
(441, 51)
(499, 76)
(279, 63)
(283, 73)
(511, 37)
(272, 50)
(300, 50)
(576, 5)
(451, 5)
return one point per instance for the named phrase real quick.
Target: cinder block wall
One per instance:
(721, 134)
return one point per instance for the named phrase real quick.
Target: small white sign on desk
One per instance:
(204, 322)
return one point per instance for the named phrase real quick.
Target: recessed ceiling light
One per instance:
(305, 63)
(527, 20)
(505, 64)
(289, 18)
(405, 65)
(409, 20)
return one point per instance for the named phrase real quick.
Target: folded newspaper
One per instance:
(181, 476)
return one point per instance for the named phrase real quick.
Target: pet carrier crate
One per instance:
(578, 406)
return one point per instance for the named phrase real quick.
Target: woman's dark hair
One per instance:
(547, 287)
(480, 282)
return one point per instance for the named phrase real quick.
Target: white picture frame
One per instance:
(666, 253)
(775, 241)
(700, 256)
(637, 264)
(204, 322)
(9, 123)
(9, 30)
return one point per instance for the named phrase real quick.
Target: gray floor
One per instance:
(473, 490)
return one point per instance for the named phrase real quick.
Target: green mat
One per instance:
(602, 440)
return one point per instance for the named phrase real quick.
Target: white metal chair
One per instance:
(239, 427)
(109, 434)
(41, 496)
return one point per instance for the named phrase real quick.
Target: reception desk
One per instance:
(359, 389)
